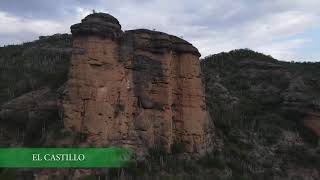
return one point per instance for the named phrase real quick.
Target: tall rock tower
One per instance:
(138, 89)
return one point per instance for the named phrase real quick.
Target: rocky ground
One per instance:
(266, 114)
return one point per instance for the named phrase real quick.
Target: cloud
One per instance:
(272, 34)
(211, 25)
(284, 50)
(11, 25)
(281, 25)
(17, 28)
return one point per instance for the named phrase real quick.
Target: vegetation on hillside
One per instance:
(26, 67)
(258, 106)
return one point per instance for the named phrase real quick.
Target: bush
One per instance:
(8, 174)
(212, 161)
(137, 168)
(157, 152)
(177, 148)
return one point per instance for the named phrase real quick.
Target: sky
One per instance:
(288, 30)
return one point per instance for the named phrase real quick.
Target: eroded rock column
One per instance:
(97, 101)
(139, 88)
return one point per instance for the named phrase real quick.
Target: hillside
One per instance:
(266, 112)
(34, 64)
(31, 73)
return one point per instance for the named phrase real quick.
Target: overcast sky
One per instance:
(286, 29)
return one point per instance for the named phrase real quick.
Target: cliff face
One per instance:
(266, 112)
(138, 88)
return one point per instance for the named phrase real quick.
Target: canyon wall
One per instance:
(140, 88)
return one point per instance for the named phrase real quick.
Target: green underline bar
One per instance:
(64, 157)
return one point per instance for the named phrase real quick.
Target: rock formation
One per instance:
(266, 112)
(139, 88)
(24, 118)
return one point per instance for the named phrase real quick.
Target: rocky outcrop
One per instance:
(266, 112)
(25, 118)
(138, 88)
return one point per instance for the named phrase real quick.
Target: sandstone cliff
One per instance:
(139, 88)
(266, 112)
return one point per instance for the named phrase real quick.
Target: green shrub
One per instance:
(177, 148)
(137, 168)
(157, 152)
(212, 161)
(8, 174)
(88, 177)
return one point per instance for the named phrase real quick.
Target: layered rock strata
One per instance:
(140, 88)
